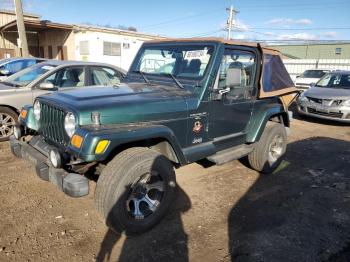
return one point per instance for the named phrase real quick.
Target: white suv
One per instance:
(309, 76)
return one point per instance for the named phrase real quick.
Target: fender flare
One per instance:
(157, 137)
(258, 125)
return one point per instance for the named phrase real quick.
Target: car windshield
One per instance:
(4, 60)
(183, 61)
(313, 73)
(335, 81)
(28, 75)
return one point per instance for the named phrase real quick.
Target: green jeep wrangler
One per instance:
(182, 101)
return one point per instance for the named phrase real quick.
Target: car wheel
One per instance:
(8, 119)
(135, 190)
(269, 151)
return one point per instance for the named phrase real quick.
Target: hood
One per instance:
(4, 87)
(126, 103)
(302, 80)
(328, 93)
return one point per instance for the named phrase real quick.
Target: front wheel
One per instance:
(268, 152)
(8, 119)
(135, 190)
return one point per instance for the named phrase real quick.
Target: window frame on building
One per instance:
(112, 48)
(338, 50)
(84, 50)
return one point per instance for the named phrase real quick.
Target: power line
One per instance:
(296, 29)
(308, 4)
(181, 19)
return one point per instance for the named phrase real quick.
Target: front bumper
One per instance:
(36, 152)
(340, 114)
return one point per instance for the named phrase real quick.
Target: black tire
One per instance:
(259, 158)
(5, 113)
(115, 184)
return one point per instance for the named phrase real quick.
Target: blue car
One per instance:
(9, 66)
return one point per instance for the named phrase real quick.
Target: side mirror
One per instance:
(47, 86)
(4, 72)
(312, 84)
(297, 76)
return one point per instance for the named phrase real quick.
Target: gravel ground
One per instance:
(222, 213)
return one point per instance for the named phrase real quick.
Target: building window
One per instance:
(126, 45)
(110, 48)
(338, 51)
(84, 47)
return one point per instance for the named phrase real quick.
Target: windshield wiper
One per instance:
(175, 80)
(143, 75)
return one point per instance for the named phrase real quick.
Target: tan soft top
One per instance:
(265, 49)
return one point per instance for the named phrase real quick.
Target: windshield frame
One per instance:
(331, 74)
(27, 70)
(165, 77)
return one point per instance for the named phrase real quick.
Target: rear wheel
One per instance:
(135, 190)
(8, 119)
(268, 152)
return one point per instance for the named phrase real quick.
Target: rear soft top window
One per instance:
(275, 78)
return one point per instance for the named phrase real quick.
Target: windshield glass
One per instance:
(335, 81)
(182, 61)
(313, 73)
(4, 60)
(28, 75)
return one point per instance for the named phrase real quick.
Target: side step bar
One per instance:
(230, 154)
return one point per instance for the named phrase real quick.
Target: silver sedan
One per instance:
(23, 87)
(329, 98)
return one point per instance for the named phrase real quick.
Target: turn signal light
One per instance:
(77, 141)
(24, 113)
(101, 146)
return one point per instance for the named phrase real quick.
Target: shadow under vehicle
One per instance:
(222, 100)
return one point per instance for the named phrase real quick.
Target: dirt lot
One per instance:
(300, 213)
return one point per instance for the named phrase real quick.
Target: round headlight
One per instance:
(69, 124)
(55, 158)
(37, 110)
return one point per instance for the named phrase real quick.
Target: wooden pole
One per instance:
(21, 28)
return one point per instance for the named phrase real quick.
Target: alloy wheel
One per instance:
(145, 196)
(275, 149)
(7, 123)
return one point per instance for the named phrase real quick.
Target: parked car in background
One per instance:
(304, 80)
(10, 66)
(23, 87)
(329, 98)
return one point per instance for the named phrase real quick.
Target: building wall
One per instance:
(7, 17)
(315, 51)
(129, 47)
(54, 39)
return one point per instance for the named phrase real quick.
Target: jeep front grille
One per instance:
(52, 124)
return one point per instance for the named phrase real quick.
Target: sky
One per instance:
(257, 20)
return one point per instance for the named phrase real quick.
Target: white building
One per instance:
(71, 42)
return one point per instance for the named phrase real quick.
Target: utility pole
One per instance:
(21, 30)
(231, 20)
